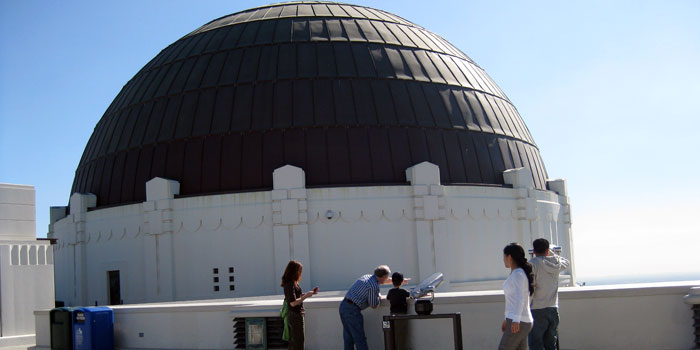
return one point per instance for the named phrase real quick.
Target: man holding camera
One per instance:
(545, 300)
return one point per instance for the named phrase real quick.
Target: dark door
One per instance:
(115, 295)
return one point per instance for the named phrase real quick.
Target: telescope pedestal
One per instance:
(388, 327)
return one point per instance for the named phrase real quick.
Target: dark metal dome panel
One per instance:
(352, 95)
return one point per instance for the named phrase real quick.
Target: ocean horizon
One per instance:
(620, 279)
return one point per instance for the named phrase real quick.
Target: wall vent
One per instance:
(274, 329)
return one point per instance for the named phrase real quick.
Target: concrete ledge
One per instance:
(17, 340)
(627, 290)
(594, 317)
(331, 299)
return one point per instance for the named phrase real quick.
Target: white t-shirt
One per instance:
(517, 297)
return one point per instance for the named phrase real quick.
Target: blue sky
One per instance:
(609, 89)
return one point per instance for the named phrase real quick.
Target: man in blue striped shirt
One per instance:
(363, 293)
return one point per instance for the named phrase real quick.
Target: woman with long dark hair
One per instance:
(293, 296)
(517, 289)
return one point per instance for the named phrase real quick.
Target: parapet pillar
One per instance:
(79, 204)
(290, 221)
(559, 187)
(55, 214)
(526, 204)
(159, 250)
(432, 236)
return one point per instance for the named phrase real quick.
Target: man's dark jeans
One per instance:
(353, 326)
(544, 330)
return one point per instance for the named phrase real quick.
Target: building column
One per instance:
(158, 245)
(55, 213)
(79, 204)
(290, 221)
(432, 236)
(526, 204)
(559, 187)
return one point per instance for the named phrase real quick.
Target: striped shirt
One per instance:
(364, 292)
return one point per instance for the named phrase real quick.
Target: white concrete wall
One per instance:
(166, 248)
(650, 316)
(26, 284)
(369, 226)
(17, 212)
(26, 265)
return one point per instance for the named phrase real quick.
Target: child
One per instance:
(397, 296)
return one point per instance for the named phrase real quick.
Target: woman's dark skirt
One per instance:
(296, 327)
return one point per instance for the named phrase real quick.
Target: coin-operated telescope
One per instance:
(427, 287)
(552, 248)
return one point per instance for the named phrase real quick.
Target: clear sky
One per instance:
(610, 91)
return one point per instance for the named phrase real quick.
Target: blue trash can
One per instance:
(93, 328)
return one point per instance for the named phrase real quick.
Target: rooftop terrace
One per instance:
(631, 316)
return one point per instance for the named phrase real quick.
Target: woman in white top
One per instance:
(517, 288)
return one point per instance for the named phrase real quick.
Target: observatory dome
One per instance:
(352, 95)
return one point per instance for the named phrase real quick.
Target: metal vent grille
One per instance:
(274, 326)
(696, 325)
(239, 333)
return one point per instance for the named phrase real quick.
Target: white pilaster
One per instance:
(290, 221)
(559, 187)
(79, 204)
(526, 204)
(158, 247)
(432, 236)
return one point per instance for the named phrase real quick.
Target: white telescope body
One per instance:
(555, 248)
(427, 286)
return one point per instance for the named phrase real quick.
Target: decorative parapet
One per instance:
(28, 254)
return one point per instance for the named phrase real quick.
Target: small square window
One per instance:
(216, 270)
(230, 270)
(230, 278)
(216, 288)
(216, 279)
(232, 287)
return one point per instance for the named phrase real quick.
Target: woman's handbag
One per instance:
(283, 313)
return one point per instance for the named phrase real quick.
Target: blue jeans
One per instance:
(353, 326)
(544, 331)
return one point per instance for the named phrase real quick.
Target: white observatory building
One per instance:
(341, 136)
(26, 266)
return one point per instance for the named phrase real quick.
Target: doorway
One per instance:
(115, 296)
